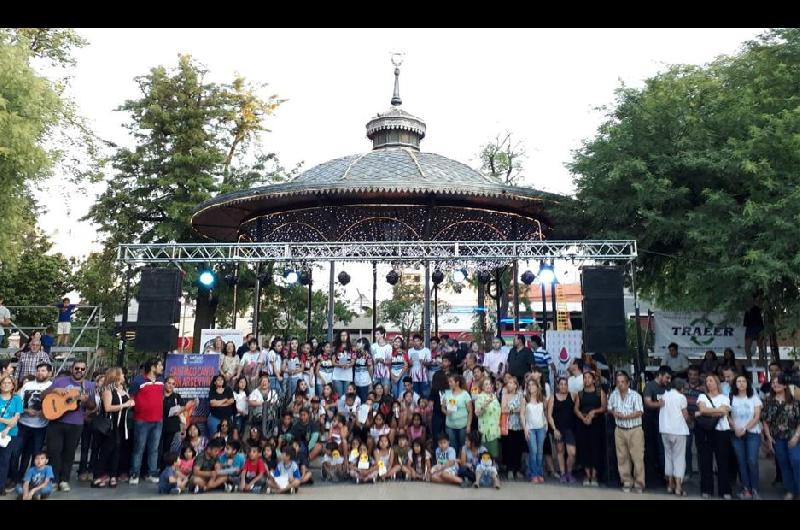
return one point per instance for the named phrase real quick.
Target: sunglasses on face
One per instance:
(77, 369)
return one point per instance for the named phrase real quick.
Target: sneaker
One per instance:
(638, 491)
(228, 487)
(745, 494)
(292, 491)
(756, 496)
(788, 497)
(374, 480)
(83, 477)
(175, 491)
(133, 481)
(196, 489)
(594, 484)
(706, 496)
(562, 479)
(269, 491)
(626, 489)
(587, 483)
(358, 481)
(152, 480)
(64, 486)
(10, 489)
(727, 496)
(571, 479)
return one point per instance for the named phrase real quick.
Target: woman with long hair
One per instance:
(534, 425)
(240, 395)
(590, 408)
(325, 367)
(362, 376)
(399, 366)
(222, 403)
(487, 409)
(115, 403)
(513, 440)
(782, 430)
(229, 362)
(292, 367)
(710, 363)
(561, 417)
(746, 425)
(714, 443)
(218, 345)
(343, 362)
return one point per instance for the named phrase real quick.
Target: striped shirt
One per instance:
(632, 402)
(541, 358)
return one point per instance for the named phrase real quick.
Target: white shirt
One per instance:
(343, 374)
(249, 362)
(575, 383)
(743, 410)
(418, 372)
(271, 397)
(5, 314)
(379, 356)
(670, 416)
(534, 416)
(493, 359)
(241, 402)
(31, 396)
(720, 400)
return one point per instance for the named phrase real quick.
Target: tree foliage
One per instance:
(702, 167)
(406, 306)
(502, 159)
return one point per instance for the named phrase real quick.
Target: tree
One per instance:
(405, 308)
(192, 137)
(502, 158)
(702, 167)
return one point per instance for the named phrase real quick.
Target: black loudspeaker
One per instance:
(603, 310)
(158, 312)
(159, 307)
(160, 284)
(156, 339)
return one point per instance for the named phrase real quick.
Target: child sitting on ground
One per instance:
(469, 458)
(419, 467)
(446, 469)
(37, 484)
(253, 471)
(270, 457)
(186, 461)
(384, 459)
(231, 463)
(365, 469)
(333, 466)
(486, 472)
(171, 480)
(205, 474)
(401, 456)
(286, 477)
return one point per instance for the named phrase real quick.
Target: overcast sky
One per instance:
(468, 85)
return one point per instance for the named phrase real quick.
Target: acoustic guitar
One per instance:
(55, 405)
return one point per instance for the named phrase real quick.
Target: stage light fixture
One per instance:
(484, 277)
(207, 279)
(291, 277)
(265, 278)
(344, 278)
(437, 277)
(305, 278)
(527, 277)
(460, 275)
(547, 274)
(392, 278)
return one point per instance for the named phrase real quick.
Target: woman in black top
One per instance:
(221, 402)
(115, 404)
(561, 417)
(590, 407)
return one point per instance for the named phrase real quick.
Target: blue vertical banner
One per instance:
(193, 374)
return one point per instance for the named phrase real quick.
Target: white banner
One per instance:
(695, 333)
(207, 337)
(564, 346)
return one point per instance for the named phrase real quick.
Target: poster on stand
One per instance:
(193, 374)
(563, 346)
(207, 337)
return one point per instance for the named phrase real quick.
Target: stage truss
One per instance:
(477, 253)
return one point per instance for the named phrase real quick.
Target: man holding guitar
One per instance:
(66, 419)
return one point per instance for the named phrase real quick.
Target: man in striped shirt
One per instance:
(627, 408)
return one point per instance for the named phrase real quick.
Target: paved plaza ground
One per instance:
(551, 490)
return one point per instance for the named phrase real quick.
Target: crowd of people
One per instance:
(364, 412)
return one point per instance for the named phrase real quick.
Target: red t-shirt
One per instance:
(253, 469)
(149, 400)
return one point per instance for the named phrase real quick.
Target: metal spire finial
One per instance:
(397, 60)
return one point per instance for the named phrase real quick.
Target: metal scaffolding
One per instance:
(478, 253)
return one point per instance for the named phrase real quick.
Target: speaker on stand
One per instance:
(159, 308)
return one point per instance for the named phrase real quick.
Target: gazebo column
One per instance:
(426, 311)
(330, 305)
(515, 272)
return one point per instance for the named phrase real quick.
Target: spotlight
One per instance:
(392, 278)
(231, 279)
(484, 277)
(207, 279)
(291, 277)
(437, 277)
(459, 275)
(305, 278)
(546, 274)
(344, 278)
(527, 277)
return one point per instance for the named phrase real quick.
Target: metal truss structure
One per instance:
(482, 253)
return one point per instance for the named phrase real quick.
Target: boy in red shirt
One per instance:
(252, 477)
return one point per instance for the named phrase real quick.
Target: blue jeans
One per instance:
(789, 462)
(340, 386)
(292, 384)
(5, 458)
(422, 388)
(47, 490)
(362, 392)
(746, 449)
(146, 434)
(398, 388)
(457, 438)
(31, 442)
(536, 452)
(212, 424)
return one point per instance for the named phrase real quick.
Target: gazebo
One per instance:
(393, 193)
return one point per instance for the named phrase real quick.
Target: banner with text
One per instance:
(695, 333)
(193, 374)
(207, 337)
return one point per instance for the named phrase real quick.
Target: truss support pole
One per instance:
(235, 293)
(331, 302)
(426, 309)
(374, 298)
(544, 315)
(515, 272)
(308, 316)
(257, 302)
(124, 339)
